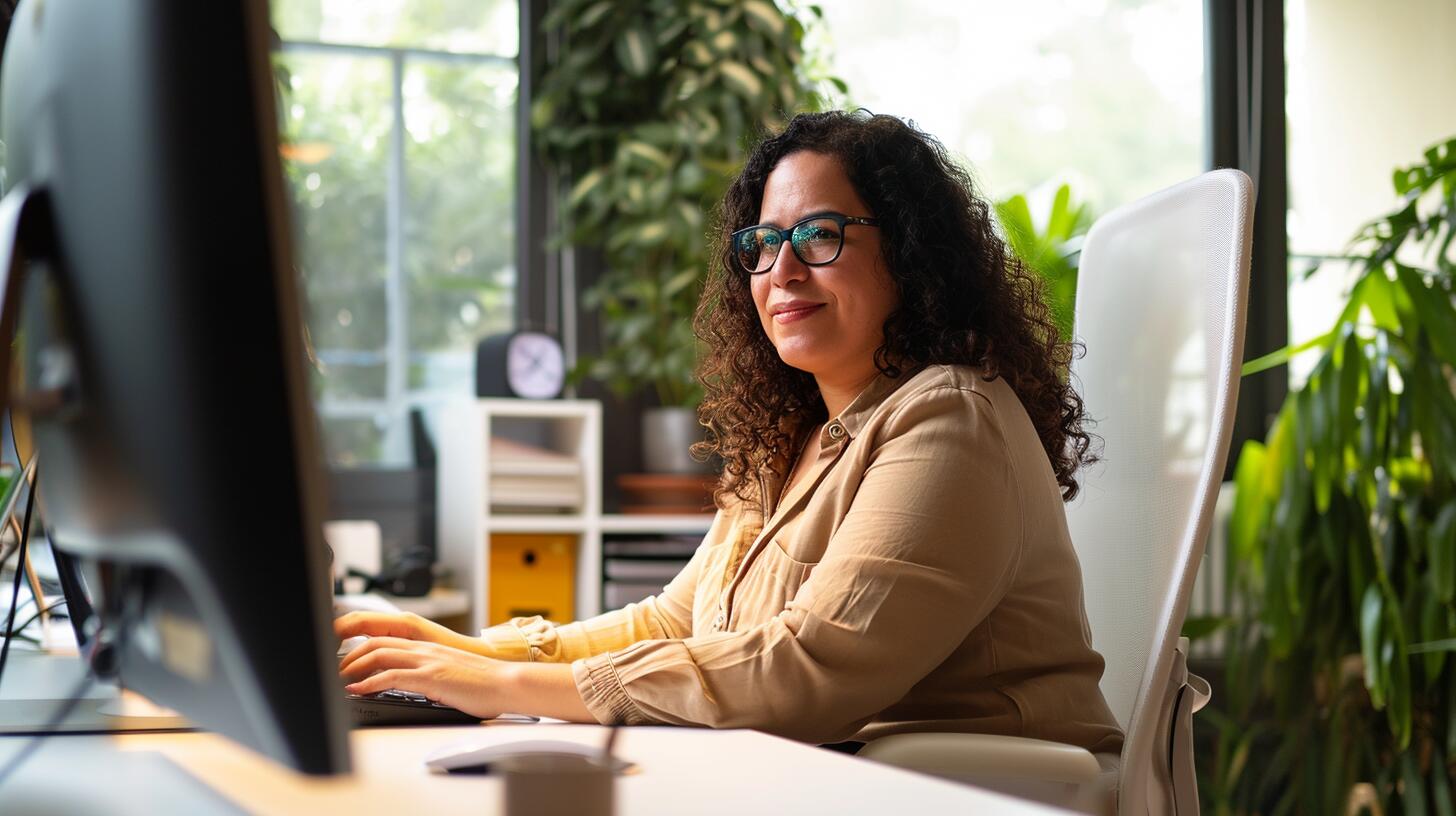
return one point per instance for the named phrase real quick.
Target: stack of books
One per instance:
(528, 479)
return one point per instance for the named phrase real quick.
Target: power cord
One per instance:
(77, 693)
(21, 552)
(19, 631)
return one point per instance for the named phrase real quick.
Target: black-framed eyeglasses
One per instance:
(817, 240)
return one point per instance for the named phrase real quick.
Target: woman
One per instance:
(890, 552)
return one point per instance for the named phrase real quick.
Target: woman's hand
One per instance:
(408, 626)
(463, 680)
(478, 685)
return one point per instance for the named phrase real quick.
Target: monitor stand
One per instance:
(133, 712)
(32, 694)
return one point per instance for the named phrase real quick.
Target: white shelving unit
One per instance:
(465, 520)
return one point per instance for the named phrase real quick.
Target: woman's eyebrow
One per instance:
(814, 214)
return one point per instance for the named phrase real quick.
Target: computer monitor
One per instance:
(147, 279)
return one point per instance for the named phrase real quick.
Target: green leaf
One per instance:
(723, 43)
(740, 79)
(680, 282)
(1198, 627)
(651, 233)
(1063, 218)
(1441, 544)
(584, 187)
(1380, 300)
(1414, 792)
(592, 16)
(1434, 309)
(642, 150)
(1284, 355)
(1395, 660)
(1371, 613)
(1249, 500)
(1441, 786)
(666, 35)
(1351, 366)
(764, 16)
(636, 52)
(1433, 629)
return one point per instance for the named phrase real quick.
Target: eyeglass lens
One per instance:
(816, 241)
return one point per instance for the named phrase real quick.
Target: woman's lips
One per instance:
(796, 314)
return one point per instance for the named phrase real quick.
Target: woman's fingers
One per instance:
(373, 645)
(381, 660)
(385, 680)
(377, 624)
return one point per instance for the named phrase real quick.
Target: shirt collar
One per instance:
(853, 417)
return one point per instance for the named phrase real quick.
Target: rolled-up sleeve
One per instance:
(928, 547)
(668, 614)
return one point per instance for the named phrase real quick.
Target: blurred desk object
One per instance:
(442, 603)
(682, 770)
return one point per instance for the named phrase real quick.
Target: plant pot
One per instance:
(667, 433)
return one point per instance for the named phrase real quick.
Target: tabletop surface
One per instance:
(680, 770)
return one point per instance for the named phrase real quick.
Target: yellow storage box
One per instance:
(532, 575)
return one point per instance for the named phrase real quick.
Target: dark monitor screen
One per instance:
(159, 361)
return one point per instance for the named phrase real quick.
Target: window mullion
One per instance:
(396, 292)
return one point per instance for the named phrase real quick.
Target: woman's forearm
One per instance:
(543, 690)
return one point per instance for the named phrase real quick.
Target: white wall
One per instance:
(1371, 86)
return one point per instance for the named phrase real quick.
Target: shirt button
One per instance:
(718, 621)
(836, 431)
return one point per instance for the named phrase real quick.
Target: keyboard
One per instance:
(396, 707)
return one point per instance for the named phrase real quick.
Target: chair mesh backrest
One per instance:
(1160, 307)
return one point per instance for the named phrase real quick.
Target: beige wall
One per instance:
(1371, 85)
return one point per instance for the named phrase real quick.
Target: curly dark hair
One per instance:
(964, 299)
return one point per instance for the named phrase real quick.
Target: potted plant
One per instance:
(1339, 693)
(647, 112)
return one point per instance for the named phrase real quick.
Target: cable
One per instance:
(19, 630)
(19, 568)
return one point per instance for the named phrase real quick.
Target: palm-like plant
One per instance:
(1049, 250)
(1343, 542)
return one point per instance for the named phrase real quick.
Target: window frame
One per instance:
(399, 398)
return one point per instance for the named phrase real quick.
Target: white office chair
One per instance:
(1160, 305)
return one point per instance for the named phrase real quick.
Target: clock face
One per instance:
(535, 366)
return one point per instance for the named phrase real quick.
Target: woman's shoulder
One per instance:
(942, 377)
(963, 395)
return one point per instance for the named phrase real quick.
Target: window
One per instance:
(1106, 95)
(400, 154)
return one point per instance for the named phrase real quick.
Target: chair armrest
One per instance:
(983, 756)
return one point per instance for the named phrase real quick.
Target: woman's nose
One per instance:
(787, 267)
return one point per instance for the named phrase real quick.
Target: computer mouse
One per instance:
(350, 644)
(476, 757)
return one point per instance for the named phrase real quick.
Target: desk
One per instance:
(682, 771)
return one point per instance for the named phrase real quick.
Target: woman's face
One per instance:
(826, 320)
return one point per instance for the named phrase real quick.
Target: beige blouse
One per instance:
(918, 576)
